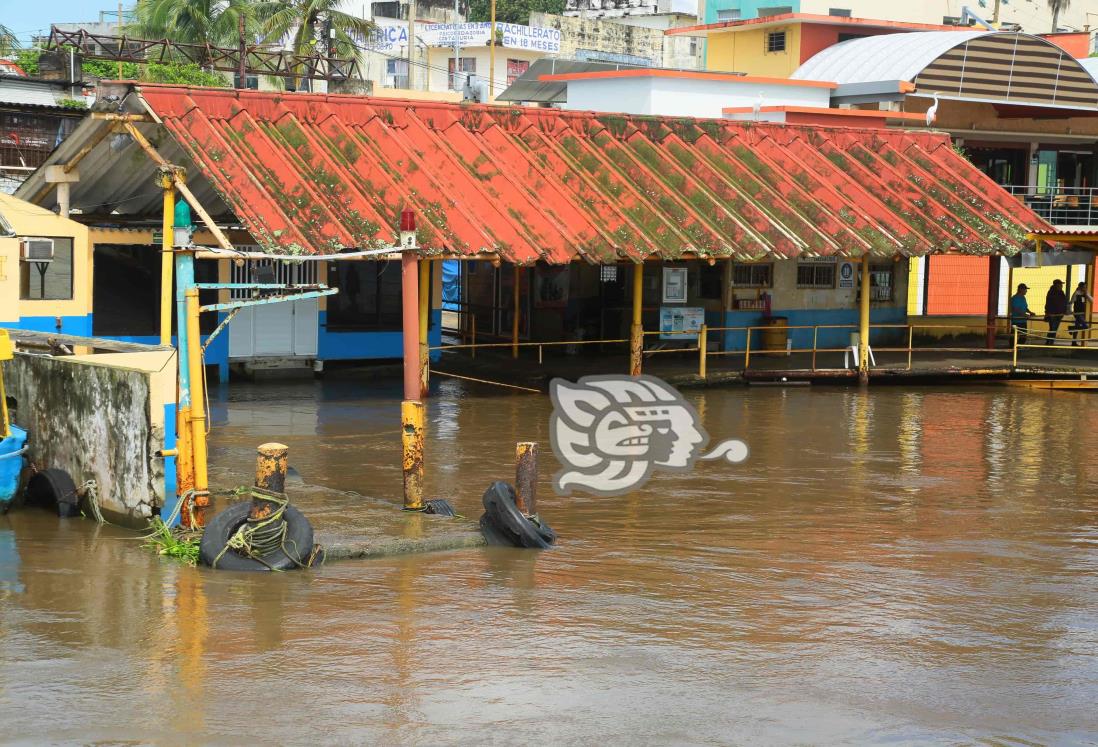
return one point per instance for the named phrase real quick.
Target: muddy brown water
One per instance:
(892, 566)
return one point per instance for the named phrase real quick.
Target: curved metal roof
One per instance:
(988, 66)
(885, 57)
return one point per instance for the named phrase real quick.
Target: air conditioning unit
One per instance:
(36, 250)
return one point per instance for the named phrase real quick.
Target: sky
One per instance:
(27, 17)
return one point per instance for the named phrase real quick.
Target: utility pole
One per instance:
(995, 15)
(242, 69)
(411, 40)
(120, 34)
(492, 57)
(457, 46)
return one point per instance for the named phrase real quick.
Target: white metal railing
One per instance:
(1060, 206)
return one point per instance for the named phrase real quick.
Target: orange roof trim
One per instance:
(813, 18)
(655, 72)
(825, 111)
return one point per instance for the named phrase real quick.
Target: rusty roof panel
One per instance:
(319, 174)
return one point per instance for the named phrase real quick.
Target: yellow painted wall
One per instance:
(32, 221)
(745, 52)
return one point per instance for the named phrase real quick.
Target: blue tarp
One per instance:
(451, 284)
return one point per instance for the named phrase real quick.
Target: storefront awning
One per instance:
(321, 174)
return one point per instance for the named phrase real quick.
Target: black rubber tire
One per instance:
(299, 542)
(53, 488)
(502, 522)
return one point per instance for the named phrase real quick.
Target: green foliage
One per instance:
(72, 104)
(178, 545)
(305, 22)
(27, 59)
(513, 11)
(184, 75)
(107, 70)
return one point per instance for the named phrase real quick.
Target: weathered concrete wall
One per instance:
(583, 35)
(97, 422)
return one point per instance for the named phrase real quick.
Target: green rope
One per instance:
(258, 539)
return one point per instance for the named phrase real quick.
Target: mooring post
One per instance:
(526, 477)
(636, 331)
(198, 404)
(271, 463)
(411, 408)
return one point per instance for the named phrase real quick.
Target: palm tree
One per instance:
(303, 26)
(1057, 7)
(191, 21)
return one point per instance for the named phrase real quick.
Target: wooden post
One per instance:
(515, 312)
(703, 344)
(271, 464)
(994, 263)
(636, 330)
(526, 477)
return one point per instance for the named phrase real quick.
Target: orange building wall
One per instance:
(957, 285)
(1077, 44)
(818, 37)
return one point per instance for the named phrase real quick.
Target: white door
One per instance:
(283, 329)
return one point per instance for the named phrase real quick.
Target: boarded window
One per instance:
(775, 41)
(753, 276)
(815, 275)
(48, 281)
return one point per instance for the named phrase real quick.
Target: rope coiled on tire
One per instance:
(256, 539)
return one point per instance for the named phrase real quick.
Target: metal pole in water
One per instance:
(411, 409)
(424, 312)
(198, 397)
(526, 477)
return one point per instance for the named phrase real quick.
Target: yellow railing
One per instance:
(702, 347)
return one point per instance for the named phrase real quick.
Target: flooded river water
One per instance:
(900, 566)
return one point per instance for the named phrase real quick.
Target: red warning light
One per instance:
(407, 220)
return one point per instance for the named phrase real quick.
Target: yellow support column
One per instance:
(198, 394)
(703, 345)
(424, 315)
(636, 331)
(515, 315)
(167, 183)
(863, 324)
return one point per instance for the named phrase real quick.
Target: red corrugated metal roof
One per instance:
(314, 173)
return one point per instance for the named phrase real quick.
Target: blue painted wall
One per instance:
(802, 338)
(345, 346)
(170, 497)
(747, 8)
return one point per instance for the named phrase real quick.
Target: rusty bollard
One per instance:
(270, 475)
(526, 477)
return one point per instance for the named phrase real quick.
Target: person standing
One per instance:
(1020, 313)
(1056, 305)
(1079, 300)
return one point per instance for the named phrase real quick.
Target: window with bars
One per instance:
(775, 41)
(608, 273)
(753, 276)
(468, 65)
(815, 275)
(881, 282)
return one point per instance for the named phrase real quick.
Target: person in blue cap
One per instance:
(1020, 313)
